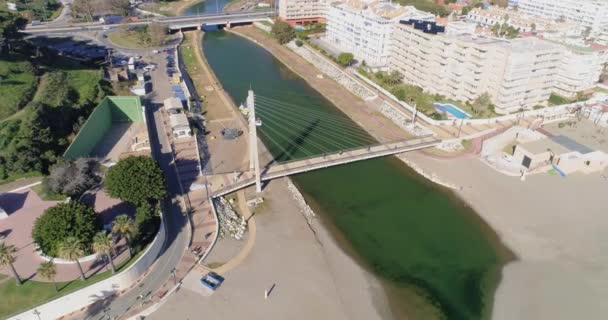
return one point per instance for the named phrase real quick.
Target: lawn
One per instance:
(17, 299)
(84, 82)
(188, 56)
(131, 39)
(17, 85)
(166, 8)
(47, 195)
(126, 39)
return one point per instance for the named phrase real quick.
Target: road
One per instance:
(175, 221)
(179, 21)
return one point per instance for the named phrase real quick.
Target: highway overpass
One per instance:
(173, 23)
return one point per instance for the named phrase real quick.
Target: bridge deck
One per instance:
(227, 183)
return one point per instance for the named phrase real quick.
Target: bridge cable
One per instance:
(301, 135)
(290, 154)
(336, 121)
(319, 132)
(298, 135)
(356, 137)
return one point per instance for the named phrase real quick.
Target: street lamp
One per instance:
(460, 127)
(173, 273)
(37, 313)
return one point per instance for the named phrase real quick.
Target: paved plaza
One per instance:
(24, 206)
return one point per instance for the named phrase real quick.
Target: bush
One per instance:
(137, 180)
(64, 220)
(73, 178)
(345, 59)
(556, 99)
(299, 43)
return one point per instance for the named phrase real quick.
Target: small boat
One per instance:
(258, 122)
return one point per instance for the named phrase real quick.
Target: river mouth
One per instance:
(438, 259)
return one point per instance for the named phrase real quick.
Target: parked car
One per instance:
(212, 280)
(149, 68)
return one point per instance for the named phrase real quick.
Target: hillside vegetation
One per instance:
(45, 101)
(35, 9)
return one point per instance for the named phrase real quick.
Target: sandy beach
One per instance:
(556, 226)
(313, 278)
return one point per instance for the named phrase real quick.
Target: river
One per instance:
(207, 7)
(437, 258)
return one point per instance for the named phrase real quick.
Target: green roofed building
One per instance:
(116, 128)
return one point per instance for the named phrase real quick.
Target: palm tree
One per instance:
(125, 227)
(48, 271)
(71, 249)
(104, 243)
(7, 258)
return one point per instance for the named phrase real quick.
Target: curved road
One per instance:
(175, 221)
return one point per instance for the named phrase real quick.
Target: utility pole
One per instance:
(254, 159)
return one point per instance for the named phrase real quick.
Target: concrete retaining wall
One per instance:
(112, 286)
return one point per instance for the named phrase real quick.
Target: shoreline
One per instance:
(417, 166)
(392, 291)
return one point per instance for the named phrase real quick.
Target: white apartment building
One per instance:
(581, 66)
(488, 17)
(591, 14)
(297, 12)
(530, 74)
(516, 74)
(364, 28)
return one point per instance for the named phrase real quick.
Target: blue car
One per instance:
(212, 280)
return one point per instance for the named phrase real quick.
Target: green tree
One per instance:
(103, 243)
(48, 271)
(83, 9)
(136, 180)
(10, 24)
(7, 258)
(56, 224)
(482, 103)
(345, 59)
(126, 228)
(120, 7)
(393, 78)
(71, 249)
(282, 32)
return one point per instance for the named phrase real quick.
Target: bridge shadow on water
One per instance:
(294, 145)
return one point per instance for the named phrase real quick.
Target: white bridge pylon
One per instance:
(254, 159)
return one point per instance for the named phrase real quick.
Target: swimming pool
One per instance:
(451, 109)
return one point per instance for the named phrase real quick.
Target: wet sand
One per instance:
(556, 226)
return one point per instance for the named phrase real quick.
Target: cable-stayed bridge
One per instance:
(301, 140)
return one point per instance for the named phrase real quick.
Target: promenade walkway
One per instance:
(23, 207)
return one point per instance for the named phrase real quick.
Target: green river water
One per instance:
(437, 259)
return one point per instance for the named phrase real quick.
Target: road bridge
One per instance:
(173, 23)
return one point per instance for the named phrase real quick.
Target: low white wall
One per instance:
(100, 290)
(262, 26)
(64, 261)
